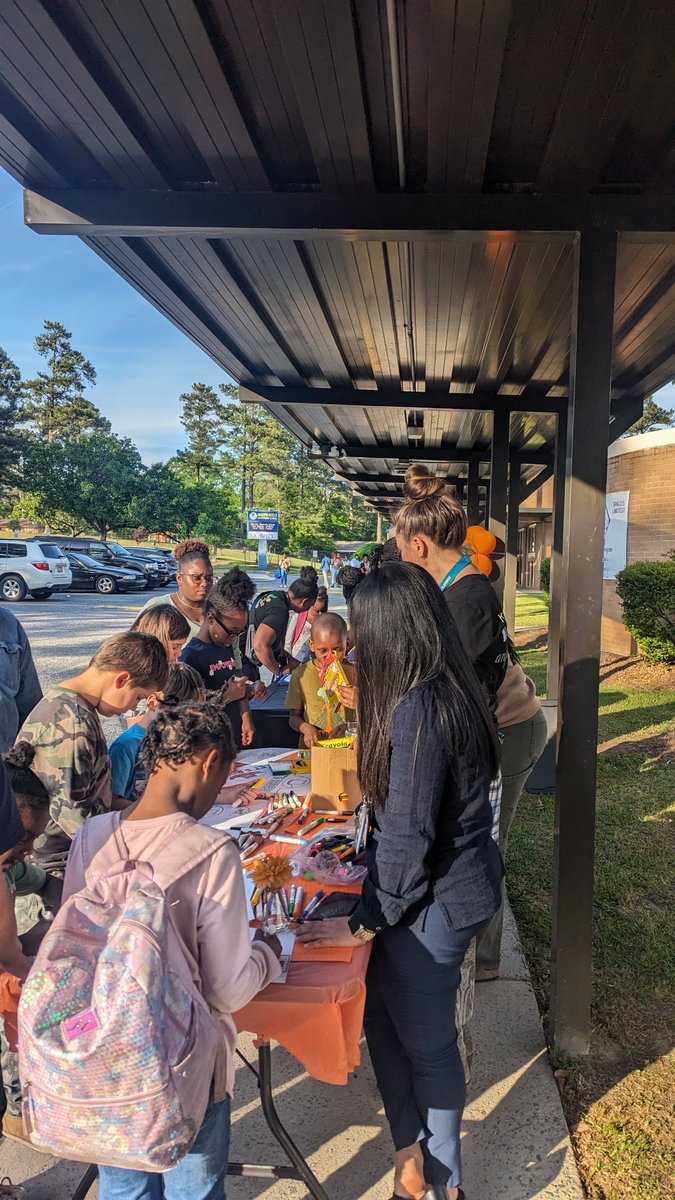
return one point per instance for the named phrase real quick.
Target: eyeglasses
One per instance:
(197, 578)
(231, 633)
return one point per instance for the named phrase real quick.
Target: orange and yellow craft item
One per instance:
(480, 544)
(332, 676)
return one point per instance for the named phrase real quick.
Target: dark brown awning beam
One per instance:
(348, 397)
(354, 217)
(541, 458)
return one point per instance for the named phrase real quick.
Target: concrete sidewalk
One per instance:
(515, 1141)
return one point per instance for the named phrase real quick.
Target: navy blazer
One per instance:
(431, 841)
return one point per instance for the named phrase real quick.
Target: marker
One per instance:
(312, 825)
(291, 901)
(312, 904)
(286, 837)
(297, 904)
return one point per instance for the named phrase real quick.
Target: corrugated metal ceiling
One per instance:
(299, 95)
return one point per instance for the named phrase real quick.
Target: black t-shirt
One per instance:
(216, 666)
(273, 609)
(479, 618)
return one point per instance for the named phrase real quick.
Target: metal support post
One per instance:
(556, 580)
(498, 484)
(576, 769)
(472, 507)
(511, 560)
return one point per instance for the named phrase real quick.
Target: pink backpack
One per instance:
(116, 1044)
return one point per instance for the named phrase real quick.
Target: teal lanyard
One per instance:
(455, 571)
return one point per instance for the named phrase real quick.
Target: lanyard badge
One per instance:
(361, 827)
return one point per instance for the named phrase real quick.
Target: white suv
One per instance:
(36, 567)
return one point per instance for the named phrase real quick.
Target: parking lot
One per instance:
(65, 631)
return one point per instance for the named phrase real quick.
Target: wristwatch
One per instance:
(359, 931)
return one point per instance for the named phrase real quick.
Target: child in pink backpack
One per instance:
(188, 752)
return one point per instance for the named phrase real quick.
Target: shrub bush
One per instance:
(647, 593)
(545, 577)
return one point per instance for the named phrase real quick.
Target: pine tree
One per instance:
(247, 435)
(653, 417)
(202, 419)
(53, 402)
(10, 438)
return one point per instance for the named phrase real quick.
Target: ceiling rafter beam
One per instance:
(431, 454)
(391, 216)
(348, 397)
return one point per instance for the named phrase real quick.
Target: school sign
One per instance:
(262, 524)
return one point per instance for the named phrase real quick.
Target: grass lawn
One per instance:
(531, 610)
(620, 1101)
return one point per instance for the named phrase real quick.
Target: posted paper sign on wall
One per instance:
(263, 524)
(616, 533)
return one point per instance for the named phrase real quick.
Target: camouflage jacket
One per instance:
(72, 761)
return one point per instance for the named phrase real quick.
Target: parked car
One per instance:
(166, 558)
(142, 555)
(111, 554)
(31, 566)
(90, 575)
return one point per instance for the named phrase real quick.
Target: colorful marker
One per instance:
(297, 906)
(313, 904)
(313, 825)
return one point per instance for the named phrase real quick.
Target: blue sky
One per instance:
(143, 362)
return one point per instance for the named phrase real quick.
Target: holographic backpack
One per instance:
(116, 1044)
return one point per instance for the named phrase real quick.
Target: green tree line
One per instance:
(62, 464)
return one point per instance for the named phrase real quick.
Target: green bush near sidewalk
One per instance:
(647, 593)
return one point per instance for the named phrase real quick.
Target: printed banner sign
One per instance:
(616, 533)
(262, 524)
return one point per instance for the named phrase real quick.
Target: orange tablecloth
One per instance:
(317, 1014)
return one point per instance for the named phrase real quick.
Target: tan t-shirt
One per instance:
(303, 695)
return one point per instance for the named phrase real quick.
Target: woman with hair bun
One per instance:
(194, 578)
(431, 529)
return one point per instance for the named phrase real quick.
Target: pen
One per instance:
(313, 825)
(312, 904)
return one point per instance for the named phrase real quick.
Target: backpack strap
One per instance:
(182, 851)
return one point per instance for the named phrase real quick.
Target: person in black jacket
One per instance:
(427, 753)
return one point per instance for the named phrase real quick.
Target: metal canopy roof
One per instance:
(368, 196)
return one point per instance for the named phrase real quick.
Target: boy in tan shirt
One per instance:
(307, 709)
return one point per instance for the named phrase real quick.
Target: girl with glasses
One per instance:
(212, 651)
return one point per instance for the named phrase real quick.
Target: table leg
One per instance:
(281, 1134)
(87, 1181)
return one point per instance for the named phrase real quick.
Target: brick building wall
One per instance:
(645, 467)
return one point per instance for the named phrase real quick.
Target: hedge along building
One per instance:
(641, 469)
(434, 232)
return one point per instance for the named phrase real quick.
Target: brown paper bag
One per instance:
(334, 770)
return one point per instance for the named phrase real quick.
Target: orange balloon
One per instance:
(480, 539)
(483, 562)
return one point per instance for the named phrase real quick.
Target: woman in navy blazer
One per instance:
(427, 753)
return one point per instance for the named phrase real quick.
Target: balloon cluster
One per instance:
(480, 544)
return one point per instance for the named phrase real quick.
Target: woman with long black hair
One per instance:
(427, 753)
